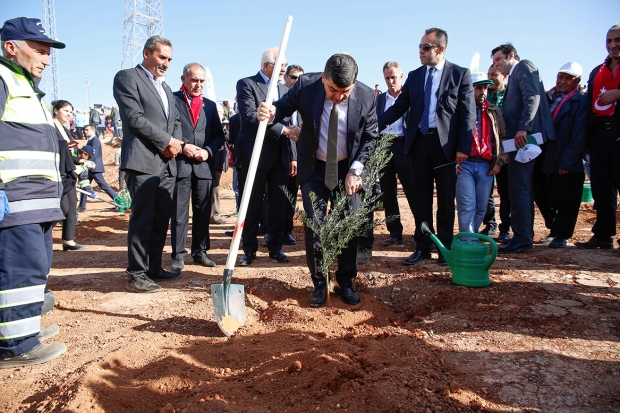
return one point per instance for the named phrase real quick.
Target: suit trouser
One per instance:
(541, 196)
(430, 166)
(605, 177)
(489, 217)
(347, 260)
(97, 177)
(199, 191)
(215, 195)
(151, 207)
(273, 178)
(68, 205)
(79, 130)
(564, 193)
(521, 189)
(22, 285)
(289, 215)
(400, 165)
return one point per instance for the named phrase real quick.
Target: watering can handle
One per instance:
(483, 238)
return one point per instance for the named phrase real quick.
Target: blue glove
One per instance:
(92, 195)
(4, 205)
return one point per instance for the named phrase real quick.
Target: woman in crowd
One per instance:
(63, 112)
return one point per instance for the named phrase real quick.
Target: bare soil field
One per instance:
(544, 337)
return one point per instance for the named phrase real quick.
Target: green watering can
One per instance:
(468, 261)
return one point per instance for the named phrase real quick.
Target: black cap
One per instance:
(25, 28)
(89, 150)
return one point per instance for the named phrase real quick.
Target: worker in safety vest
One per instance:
(30, 192)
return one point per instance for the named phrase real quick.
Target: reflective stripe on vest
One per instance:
(15, 164)
(20, 328)
(21, 296)
(28, 132)
(34, 204)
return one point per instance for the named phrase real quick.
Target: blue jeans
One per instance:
(472, 193)
(115, 126)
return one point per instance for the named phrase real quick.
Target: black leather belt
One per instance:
(432, 131)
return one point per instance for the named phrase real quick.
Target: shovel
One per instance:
(229, 299)
(99, 198)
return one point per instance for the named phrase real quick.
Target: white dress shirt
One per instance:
(321, 153)
(510, 73)
(159, 86)
(432, 110)
(396, 127)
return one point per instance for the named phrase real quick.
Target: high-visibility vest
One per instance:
(29, 160)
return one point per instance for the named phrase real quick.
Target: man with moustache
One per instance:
(277, 161)
(202, 137)
(525, 113)
(30, 192)
(495, 97)
(290, 78)
(563, 167)
(151, 141)
(442, 119)
(339, 132)
(399, 165)
(604, 142)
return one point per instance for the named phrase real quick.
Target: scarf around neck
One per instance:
(193, 104)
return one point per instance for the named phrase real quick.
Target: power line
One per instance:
(51, 86)
(142, 19)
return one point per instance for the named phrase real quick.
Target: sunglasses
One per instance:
(294, 77)
(426, 47)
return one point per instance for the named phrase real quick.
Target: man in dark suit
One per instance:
(151, 141)
(202, 137)
(399, 165)
(277, 160)
(525, 112)
(96, 173)
(442, 118)
(339, 131)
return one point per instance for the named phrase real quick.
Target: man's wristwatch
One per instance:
(356, 172)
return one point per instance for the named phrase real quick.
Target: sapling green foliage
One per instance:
(342, 224)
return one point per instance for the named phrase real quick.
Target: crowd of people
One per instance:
(454, 132)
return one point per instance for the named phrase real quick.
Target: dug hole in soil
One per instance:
(544, 337)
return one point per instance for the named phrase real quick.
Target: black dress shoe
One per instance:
(503, 238)
(594, 243)
(558, 242)
(163, 275)
(547, 239)
(348, 295)
(393, 241)
(177, 264)
(514, 247)
(229, 233)
(278, 256)
(246, 259)
(416, 257)
(74, 247)
(288, 239)
(203, 259)
(318, 296)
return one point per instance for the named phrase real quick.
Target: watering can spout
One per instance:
(446, 253)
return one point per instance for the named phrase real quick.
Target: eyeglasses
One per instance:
(294, 77)
(426, 47)
(274, 63)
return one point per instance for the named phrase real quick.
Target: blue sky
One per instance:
(229, 36)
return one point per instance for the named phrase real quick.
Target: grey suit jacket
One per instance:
(525, 106)
(146, 129)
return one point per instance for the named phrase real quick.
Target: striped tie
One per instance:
(331, 160)
(427, 101)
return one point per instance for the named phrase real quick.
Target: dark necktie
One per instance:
(427, 101)
(331, 160)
